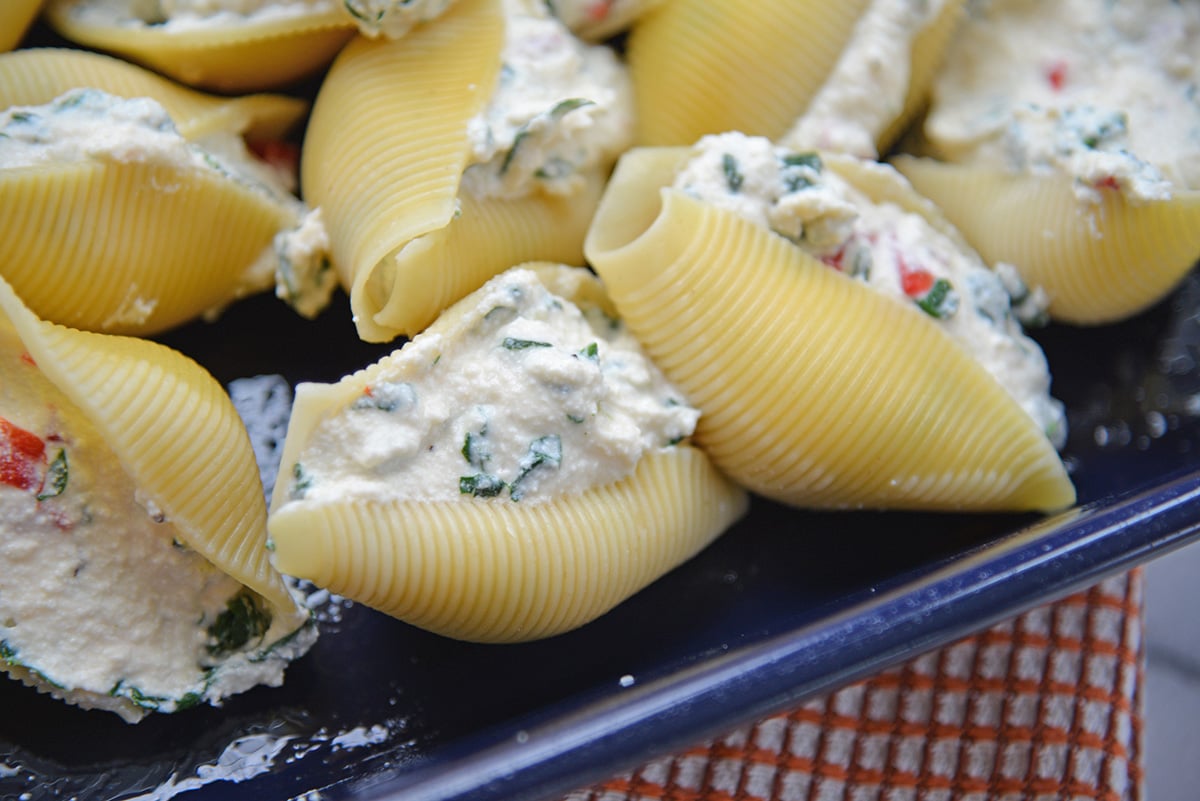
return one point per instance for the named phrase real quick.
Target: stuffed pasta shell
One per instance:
(132, 527)
(108, 217)
(510, 473)
(227, 45)
(1065, 138)
(492, 154)
(833, 76)
(844, 346)
(34, 76)
(15, 18)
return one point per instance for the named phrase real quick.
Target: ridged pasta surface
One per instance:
(814, 389)
(439, 268)
(709, 66)
(1097, 262)
(503, 571)
(85, 243)
(175, 432)
(38, 75)
(387, 144)
(256, 55)
(15, 18)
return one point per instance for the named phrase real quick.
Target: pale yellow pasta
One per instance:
(259, 53)
(384, 157)
(814, 389)
(176, 433)
(1098, 262)
(709, 66)
(15, 18)
(35, 76)
(506, 573)
(493, 569)
(130, 247)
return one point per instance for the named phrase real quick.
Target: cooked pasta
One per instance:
(859, 69)
(15, 18)
(107, 215)
(815, 389)
(135, 460)
(1081, 117)
(408, 173)
(231, 47)
(511, 473)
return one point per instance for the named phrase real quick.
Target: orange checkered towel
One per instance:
(1046, 706)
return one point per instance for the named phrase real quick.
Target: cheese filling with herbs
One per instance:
(1102, 91)
(561, 108)
(101, 603)
(91, 125)
(887, 248)
(524, 398)
(869, 84)
(182, 15)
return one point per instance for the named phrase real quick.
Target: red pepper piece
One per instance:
(22, 457)
(1056, 75)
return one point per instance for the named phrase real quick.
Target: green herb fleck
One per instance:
(592, 351)
(673, 441)
(245, 618)
(577, 419)
(301, 481)
(511, 343)
(475, 449)
(733, 176)
(481, 485)
(810, 160)
(940, 301)
(56, 477)
(545, 450)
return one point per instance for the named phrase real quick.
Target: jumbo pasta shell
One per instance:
(258, 54)
(1097, 262)
(708, 66)
(814, 389)
(36, 76)
(512, 572)
(128, 247)
(15, 18)
(384, 158)
(176, 433)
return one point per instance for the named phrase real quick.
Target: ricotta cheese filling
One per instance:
(182, 15)
(101, 603)
(393, 18)
(869, 84)
(1104, 91)
(889, 249)
(526, 397)
(561, 108)
(91, 125)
